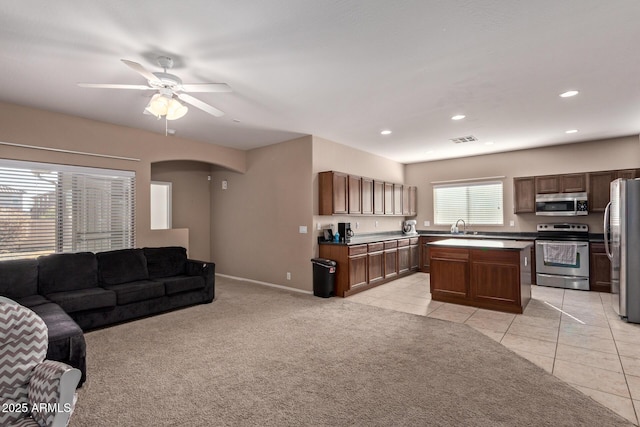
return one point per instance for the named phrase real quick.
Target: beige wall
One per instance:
(618, 153)
(191, 201)
(37, 128)
(255, 222)
(331, 156)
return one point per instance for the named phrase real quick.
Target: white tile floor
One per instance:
(575, 335)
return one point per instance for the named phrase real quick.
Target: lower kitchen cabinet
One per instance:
(424, 251)
(404, 256)
(390, 259)
(495, 279)
(361, 267)
(600, 268)
(375, 262)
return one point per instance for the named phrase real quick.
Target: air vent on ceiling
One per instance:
(462, 139)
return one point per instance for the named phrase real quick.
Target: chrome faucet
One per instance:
(464, 226)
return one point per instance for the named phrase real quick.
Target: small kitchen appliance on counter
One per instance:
(562, 256)
(346, 233)
(409, 228)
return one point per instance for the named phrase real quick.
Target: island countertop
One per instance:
(482, 244)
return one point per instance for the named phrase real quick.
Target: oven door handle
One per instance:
(579, 245)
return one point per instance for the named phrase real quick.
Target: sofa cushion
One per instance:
(137, 291)
(67, 272)
(175, 285)
(166, 262)
(19, 278)
(122, 266)
(32, 300)
(84, 299)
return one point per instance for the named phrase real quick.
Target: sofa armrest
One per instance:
(207, 270)
(52, 393)
(200, 268)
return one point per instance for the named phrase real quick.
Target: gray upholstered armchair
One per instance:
(33, 391)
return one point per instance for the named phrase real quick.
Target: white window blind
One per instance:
(477, 203)
(48, 208)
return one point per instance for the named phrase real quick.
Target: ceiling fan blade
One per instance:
(206, 87)
(142, 71)
(114, 86)
(201, 105)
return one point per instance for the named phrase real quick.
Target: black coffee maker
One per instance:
(346, 233)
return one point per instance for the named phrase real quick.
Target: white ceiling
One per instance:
(341, 69)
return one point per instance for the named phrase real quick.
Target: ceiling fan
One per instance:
(169, 87)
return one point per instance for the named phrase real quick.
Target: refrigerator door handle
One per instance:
(607, 219)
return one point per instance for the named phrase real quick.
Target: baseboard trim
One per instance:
(259, 282)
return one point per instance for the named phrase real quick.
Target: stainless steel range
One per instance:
(562, 255)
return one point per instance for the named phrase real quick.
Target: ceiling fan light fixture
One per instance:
(176, 109)
(159, 105)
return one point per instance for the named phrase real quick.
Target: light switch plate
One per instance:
(302, 229)
(426, 223)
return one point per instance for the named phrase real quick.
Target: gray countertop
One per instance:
(483, 244)
(371, 238)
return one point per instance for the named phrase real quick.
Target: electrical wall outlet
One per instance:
(225, 184)
(512, 223)
(357, 225)
(426, 223)
(376, 223)
(319, 226)
(288, 275)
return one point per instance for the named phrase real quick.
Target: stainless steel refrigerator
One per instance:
(622, 243)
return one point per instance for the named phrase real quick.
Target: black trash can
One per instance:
(324, 273)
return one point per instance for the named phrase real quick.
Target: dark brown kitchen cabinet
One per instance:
(397, 199)
(390, 259)
(600, 268)
(367, 195)
(599, 183)
(599, 186)
(547, 184)
(449, 278)
(573, 183)
(404, 256)
(414, 253)
(388, 198)
(413, 201)
(424, 251)
(333, 193)
(378, 197)
(357, 266)
(567, 183)
(524, 195)
(405, 200)
(364, 266)
(355, 194)
(375, 262)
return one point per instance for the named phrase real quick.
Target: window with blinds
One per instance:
(48, 208)
(477, 203)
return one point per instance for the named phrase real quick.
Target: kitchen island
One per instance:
(491, 274)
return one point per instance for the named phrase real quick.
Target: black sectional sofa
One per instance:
(76, 292)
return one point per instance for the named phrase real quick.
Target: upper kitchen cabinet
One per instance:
(344, 194)
(378, 197)
(524, 195)
(599, 184)
(333, 193)
(388, 198)
(397, 199)
(413, 201)
(568, 183)
(367, 191)
(355, 195)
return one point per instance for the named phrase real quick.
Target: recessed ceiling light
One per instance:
(458, 117)
(571, 131)
(385, 132)
(569, 93)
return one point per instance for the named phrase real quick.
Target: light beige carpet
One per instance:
(259, 356)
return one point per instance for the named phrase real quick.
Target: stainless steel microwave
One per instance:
(562, 204)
